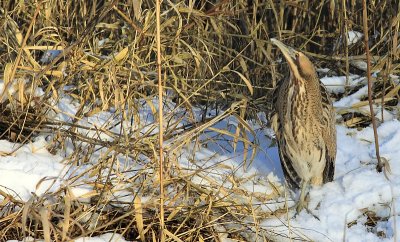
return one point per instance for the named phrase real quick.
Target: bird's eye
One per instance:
(297, 55)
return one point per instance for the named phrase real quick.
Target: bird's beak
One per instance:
(289, 54)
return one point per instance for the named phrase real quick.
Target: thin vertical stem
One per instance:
(160, 119)
(371, 108)
(345, 34)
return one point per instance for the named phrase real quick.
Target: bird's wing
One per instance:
(330, 155)
(329, 136)
(280, 103)
(329, 170)
(290, 173)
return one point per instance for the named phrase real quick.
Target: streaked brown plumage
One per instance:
(304, 124)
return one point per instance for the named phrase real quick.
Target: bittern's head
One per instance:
(301, 67)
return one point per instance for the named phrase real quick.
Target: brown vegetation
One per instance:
(216, 55)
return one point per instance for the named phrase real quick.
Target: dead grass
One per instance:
(216, 56)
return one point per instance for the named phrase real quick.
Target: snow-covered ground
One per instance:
(338, 211)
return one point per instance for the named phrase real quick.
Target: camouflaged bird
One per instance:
(304, 123)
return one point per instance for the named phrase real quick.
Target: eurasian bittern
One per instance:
(304, 124)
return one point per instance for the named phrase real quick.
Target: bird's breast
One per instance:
(302, 134)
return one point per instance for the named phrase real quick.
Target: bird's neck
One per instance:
(313, 95)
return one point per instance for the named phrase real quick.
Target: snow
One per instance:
(109, 237)
(28, 169)
(336, 84)
(49, 55)
(353, 37)
(357, 188)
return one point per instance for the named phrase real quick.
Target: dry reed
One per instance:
(216, 58)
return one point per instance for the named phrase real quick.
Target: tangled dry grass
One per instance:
(216, 55)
